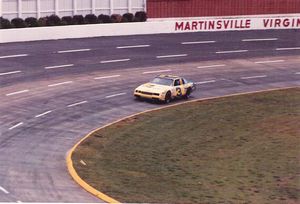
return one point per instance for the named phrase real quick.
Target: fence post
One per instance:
(129, 4)
(38, 9)
(145, 5)
(20, 8)
(93, 7)
(111, 5)
(74, 7)
(56, 7)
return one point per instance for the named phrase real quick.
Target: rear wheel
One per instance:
(168, 97)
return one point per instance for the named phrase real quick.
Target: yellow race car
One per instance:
(165, 88)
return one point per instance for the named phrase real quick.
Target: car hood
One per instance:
(155, 88)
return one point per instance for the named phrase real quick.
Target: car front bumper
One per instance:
(149, 96)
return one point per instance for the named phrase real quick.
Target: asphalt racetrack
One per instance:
(52, 93)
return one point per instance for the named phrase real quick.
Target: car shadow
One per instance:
(157, 102)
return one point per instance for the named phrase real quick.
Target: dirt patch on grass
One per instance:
(287, 124)
(230, 150)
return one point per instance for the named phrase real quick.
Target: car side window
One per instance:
(183, 81)
(177, 82)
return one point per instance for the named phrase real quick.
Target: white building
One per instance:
(38, 8)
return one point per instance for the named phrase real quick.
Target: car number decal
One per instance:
(178, 91)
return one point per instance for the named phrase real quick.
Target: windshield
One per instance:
(162, 81)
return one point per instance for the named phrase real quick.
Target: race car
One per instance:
(165, 88)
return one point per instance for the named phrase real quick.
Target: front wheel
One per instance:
(168, 97)
(138, 98)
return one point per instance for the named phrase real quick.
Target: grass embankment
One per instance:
(242, 148)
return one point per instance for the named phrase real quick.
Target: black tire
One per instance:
(168, 97)
(138, 98)
(187, 94)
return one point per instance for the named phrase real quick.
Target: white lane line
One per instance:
(132, 46)
(59, 66)
(262, 39)
(254, 77)
(157, 71)
(288, 48)
(13, 56)
(114, 95)
(19, 201)
(211, 66)
(9, 73)
(170, 56)
(4, 190)
(17, 92)
(43, 114)
(205, 82)
(68, 51)
(297, 73)
(15, 126)
(265, 62)
(107, 77)
(231, 51)
(197, 42)
(61, 83)
(113, 61)
(76, 104)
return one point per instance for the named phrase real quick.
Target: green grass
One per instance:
(231, 150)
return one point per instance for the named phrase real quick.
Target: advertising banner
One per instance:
(247, 23)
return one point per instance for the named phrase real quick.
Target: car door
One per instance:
(185, 86)
(179, 87)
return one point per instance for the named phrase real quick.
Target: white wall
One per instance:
(239, 23)
(38, 8)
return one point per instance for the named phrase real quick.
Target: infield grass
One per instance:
(240, 149)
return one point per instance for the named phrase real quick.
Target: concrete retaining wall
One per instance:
(198, 24)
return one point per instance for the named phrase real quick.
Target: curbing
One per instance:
(81, 182)
(105, 197)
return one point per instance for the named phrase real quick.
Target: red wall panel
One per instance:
(194, 8)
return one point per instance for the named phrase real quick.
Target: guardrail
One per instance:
(154, 26)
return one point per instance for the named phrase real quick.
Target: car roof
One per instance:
(168, 76)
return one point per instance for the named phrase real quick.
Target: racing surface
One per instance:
(55, 92)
